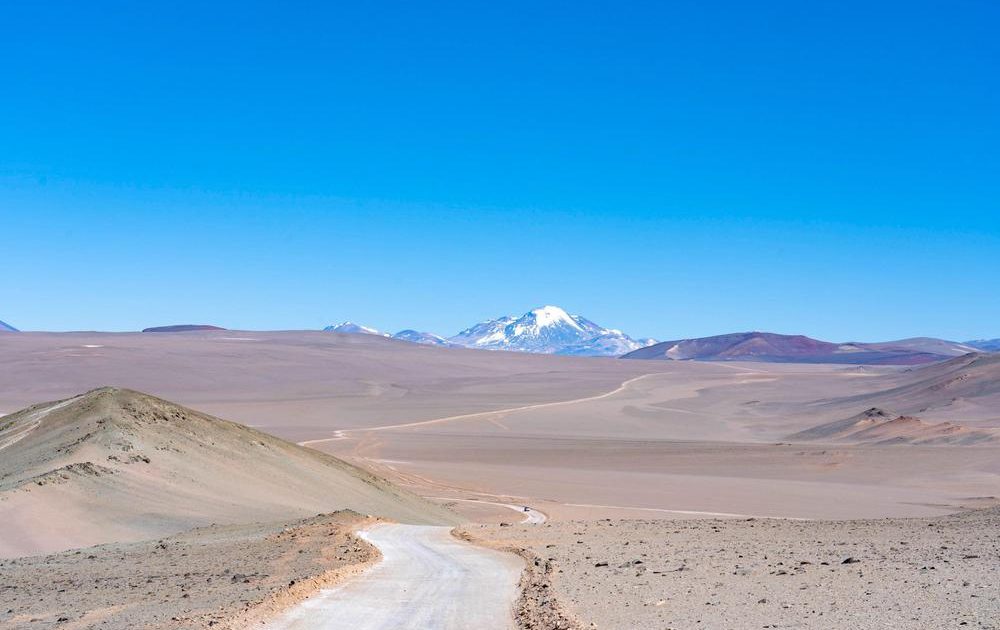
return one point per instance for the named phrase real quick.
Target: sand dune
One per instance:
(118, 465)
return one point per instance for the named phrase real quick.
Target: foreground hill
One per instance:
(775, 348)
(118, 465)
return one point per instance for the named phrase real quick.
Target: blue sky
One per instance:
(671, 169)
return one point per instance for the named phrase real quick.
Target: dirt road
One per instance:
(342, 434)
(427, 579)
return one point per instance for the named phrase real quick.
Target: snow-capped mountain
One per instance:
(7, 328)
(548, 330)
(352, 328)
(611, 343)
(426, 338)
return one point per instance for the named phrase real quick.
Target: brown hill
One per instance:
(118, 465)
(877, 426)
(774, 348)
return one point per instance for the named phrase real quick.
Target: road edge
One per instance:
(536, 607)
(284, 598)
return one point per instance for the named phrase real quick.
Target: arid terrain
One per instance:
(940, 572)
(643, 438)
(114, 465)
(219, 576)
(435, 435)
(500, 316)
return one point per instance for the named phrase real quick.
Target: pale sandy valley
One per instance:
(662, 494)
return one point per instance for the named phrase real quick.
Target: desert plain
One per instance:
(731, 482)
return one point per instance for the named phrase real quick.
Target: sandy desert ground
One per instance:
(579, 439)
(297, 385)
(677, 438)
(208, 577)
(940, 572)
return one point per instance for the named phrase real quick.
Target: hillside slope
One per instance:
(775, 348)
(878, 426)
(966, 386)
(118, 465)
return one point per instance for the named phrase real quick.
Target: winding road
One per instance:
(530, 515)
(344, 433)
(427, 579)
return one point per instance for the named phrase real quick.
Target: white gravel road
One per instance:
(427, 579)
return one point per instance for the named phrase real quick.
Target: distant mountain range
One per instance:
(413, 336)
(180, 328)
(551, 330)
(355, 329)
(545, 330)
(426, 338)
(988, 345)
(771, 347)
(548, 330)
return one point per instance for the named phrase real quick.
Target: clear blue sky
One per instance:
(669, 168)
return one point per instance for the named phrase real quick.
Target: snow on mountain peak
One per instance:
(352, 328)
(425, 338)
(550, 315)
(549, 330)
